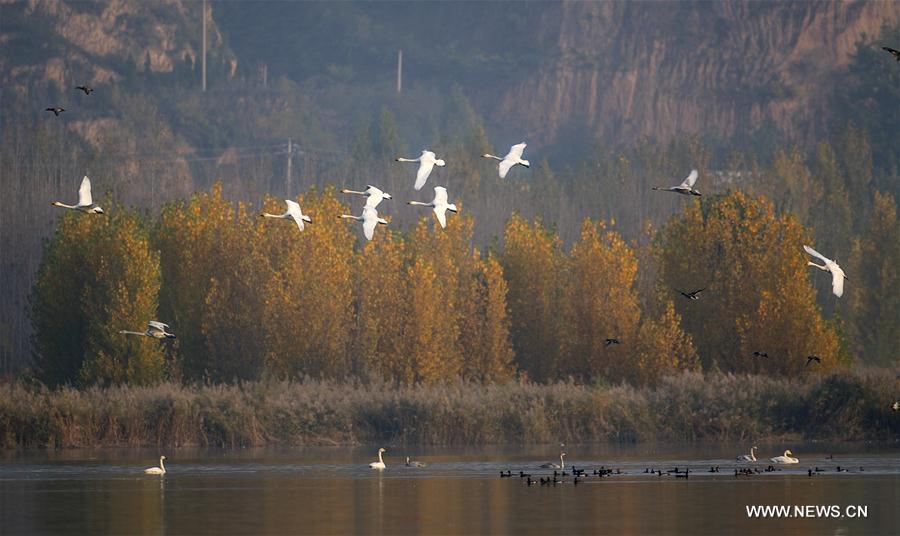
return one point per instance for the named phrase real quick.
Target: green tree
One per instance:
(99, 275)
(875, 291)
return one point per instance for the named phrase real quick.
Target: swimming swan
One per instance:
(414, 463)
(380, 463)
(785, 458)
(161, 470)
(748, 457)
(551, 465)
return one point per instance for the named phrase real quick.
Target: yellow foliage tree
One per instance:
(758, 295)
(600, 302)
(532, 261)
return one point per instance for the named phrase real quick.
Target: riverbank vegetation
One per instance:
(685, 407)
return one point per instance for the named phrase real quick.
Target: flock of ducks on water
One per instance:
(560, 471)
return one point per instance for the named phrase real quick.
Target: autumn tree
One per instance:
(758, 294)
(488, 356)
(532, 261)
(99, 275)
(662, 348)
(600, 302)
(307, 313)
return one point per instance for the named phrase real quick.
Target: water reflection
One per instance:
(332, 491)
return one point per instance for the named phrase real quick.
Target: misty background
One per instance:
(612, 98)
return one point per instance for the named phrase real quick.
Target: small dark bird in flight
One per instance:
(895, 53)
(691, 295)
(612, 341)
(56, 110)
(87, 89)
(811, 358)
(760, 354)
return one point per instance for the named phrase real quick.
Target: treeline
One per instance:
(688, 407)
(250, 298)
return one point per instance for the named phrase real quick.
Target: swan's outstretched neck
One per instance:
(819, 266)
(398, 159)
(346, 191)
(267, 215)
(349, 217)
(418, 203)
(161, 464)
(141, 333)
(491, 156)
(63, 205)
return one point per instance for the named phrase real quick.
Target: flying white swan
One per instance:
(748, 457)
(686, 187)
(380, 463)
(85, 203)
(785, 458)
(837, 275)
(414, 463)
(374, 195)
(513, 157)
(560, 465)
(426, 161)
(161, 470)
(369, 218)
(293, 212)
(155, 329)
(439, 204)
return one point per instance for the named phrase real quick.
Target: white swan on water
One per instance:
(293, 213)
(161, 470)
(748, 457)
(426, 161)
(785, 458)
(512, 158)
(837, 274)
(551, 465)
(85, 202)
(439, 204)
(380, 463)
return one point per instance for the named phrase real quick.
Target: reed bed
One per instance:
(689, 407)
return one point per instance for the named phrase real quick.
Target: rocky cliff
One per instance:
(628, 70)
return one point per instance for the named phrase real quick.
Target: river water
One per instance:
(333, 491)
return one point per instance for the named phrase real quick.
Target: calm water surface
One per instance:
(332, 491)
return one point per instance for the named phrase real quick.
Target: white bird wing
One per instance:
(440, 195)
(515, 152)
(293, 208)
(440, 210)
(505, 165)
(425, 167)
(84, 193)
(370, 221)
(153, 324)
(837, 281)
(690, 180)
(373, 200)
(815, 253)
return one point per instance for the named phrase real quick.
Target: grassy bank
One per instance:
(688, 407)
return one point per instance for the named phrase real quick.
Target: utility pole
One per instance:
(287, 178)
(400, 71)
(203, 61)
